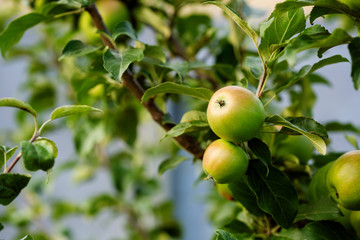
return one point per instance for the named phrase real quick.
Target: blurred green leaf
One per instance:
(314, 37)
(13, 102)
(155, 52)
(238, 20)
(11, 185)
(316, 140)
(68, 110)
(76, 48)
(352, 140)
(325, 230)
(275, 193)
(323, 209)
(58, 7)
(224, 235)
(354, 49)
(337, 126)
(27, 237)
(174, 88)
(15, 30)
(39, 155)
(124, 28)
(117, 63)
(170, 163)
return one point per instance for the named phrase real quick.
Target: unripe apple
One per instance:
(225, 192)
(295, 146)
(343, 180)
(235, 114)
(224, 161)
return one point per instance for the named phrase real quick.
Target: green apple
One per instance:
(355, 221)
(295, 146)
(224, 161)
(224, 191)
(235, 114)
(351, 3)
(343, 180)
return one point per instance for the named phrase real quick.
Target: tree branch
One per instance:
(131, 83)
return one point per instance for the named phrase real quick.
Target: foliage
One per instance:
(104, 85)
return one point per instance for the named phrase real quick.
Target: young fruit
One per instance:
(343, 180)
(295, 146)
(225, 191)
(235, 114)
(224, 161)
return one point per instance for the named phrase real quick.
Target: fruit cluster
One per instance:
(235, 114)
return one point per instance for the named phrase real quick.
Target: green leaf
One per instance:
(314, 37)
(38, 155)
(237, 19)
(337, 126)
(68, 110)
(325, 230)
(243, 194)
(15, 30)
(275, 193)
(58, 7)
(354, 49)
(155, 52)
(27, 237)
(307, 70)
(1, 227)
(117, 63)
(170, 163)
(317, 141)
(6, 153)
(174, 88)
(224, 235)
(193, 115)
(261, 150)
(77, 48)
(11, 185)
(12, 102)
(186, 127)
(124, 28)
(319, 11)
(352, 140)
(307, 124)
(278, 29)
(323, 209)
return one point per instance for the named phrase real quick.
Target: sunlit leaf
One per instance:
(15, 30)
(12, 102)
(169, 87)
(68, 110)
(317, 141)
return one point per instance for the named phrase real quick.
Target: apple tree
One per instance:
(112, 71)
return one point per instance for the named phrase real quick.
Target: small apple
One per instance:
(343, 180)
(351, 3)
(235, 114)
(295, 146)
(224, 161)
(225, 191)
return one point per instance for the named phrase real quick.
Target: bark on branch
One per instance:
(131, 83)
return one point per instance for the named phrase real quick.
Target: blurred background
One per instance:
(188, 199)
